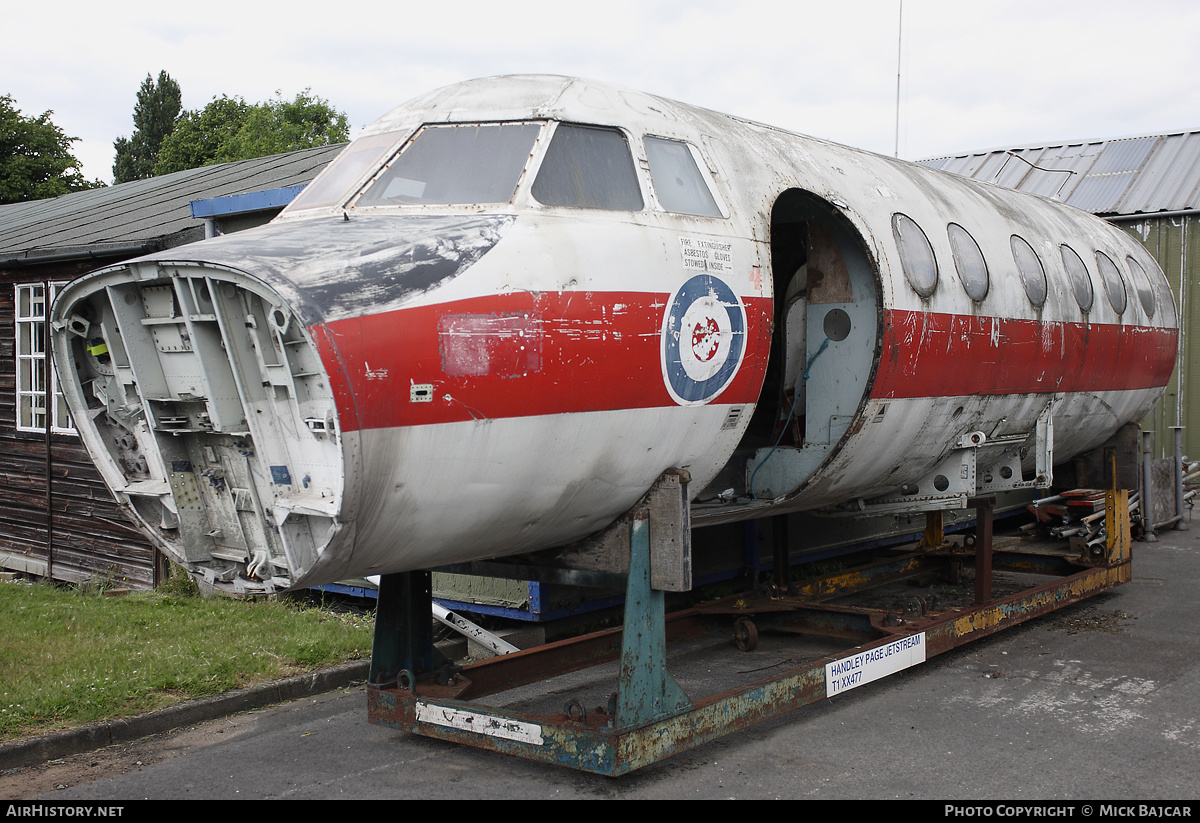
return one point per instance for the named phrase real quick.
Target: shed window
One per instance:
(1141, 284)
(588, 167)
(916, 255)
(1077, 274)
(969, 262)
(35, 379)
(1114, 286)
(459, 164)
(1029, 265)
(677, 179)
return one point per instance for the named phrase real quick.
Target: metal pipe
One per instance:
(1183, 341)
(1179, 524)
(472, 631)
(1147, 487)
(1150, 215)
(129, 250)
(49, 404)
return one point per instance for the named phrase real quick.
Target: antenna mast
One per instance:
(899, 42)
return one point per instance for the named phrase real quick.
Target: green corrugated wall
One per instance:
(1175, 244)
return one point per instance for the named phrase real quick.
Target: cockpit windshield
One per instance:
(455, 164)
(465, 164)
(333, 186)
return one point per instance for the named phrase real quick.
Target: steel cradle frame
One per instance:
(649, 717)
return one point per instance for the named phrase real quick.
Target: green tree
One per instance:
(279, 126)
(154, 116)
(230, 129)
(35, 157)
(199, 135)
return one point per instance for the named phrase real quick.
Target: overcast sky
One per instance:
(974, 74)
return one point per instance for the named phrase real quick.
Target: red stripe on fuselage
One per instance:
(935, 355)
(517, 355)
(528, 354)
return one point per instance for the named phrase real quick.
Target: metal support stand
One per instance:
(1118, 542)
(934, 536)
(983, 548)
(646, 691)
(403, 645)
(650, 717)
(780, 547)
(406, 692)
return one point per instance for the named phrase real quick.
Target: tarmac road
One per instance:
(1099, 702)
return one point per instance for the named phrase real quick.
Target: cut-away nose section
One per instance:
(205, 404)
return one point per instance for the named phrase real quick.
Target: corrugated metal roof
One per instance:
(1119, 176)
(1110, 175)
(144, 210)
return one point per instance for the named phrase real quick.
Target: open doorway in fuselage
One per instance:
(822, 345)
(809, 270)
(790, 248)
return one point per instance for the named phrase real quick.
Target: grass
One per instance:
(71, 655)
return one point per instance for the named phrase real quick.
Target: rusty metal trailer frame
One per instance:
(649, 717)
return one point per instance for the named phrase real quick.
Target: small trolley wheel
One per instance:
(745, 634)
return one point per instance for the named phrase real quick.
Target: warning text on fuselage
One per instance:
(707, 255)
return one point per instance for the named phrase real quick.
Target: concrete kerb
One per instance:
(91, 737)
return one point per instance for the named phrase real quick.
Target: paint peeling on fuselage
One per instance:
(394, 259)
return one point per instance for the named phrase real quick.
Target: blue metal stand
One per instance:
(646, 691)
(402, 650)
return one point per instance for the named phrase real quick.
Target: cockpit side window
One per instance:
(588, 167)
(677, 179)
(460, 164)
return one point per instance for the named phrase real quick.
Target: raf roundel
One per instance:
(703, 339)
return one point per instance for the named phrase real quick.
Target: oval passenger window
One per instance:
(1077, 273)
(1141, 284)
(1029, 265)
(1113, 284)
(969, 262)
(916, 255)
